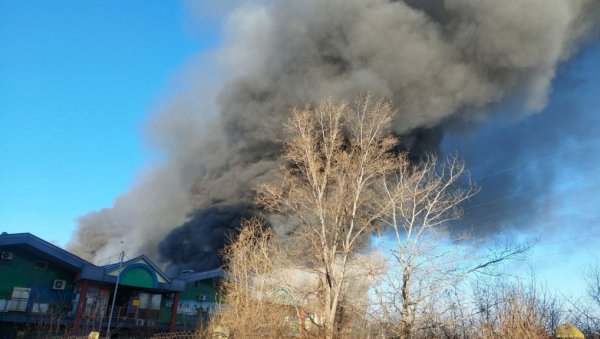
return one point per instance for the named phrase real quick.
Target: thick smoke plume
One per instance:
(443, 63)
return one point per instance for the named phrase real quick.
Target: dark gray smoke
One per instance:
(543, 170)
(193, 246)
(442, 62)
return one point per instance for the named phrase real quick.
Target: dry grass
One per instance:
(517, 316)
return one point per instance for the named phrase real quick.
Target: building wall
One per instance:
(28, 271)
(144, 299)
(195, 303)
(202, 289)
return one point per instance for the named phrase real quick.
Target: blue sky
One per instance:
(77, 81)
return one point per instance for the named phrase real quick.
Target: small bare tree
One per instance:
(584, 311)
(249, 309)
(506, 309)
(592, 281)
(423, 199)
(427, 260)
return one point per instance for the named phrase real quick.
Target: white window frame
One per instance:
(19, 299)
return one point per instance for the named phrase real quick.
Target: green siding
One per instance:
(138, 277)
(194, 290)
(24, 271)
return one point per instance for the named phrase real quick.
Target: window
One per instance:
(40, 308)
(42, 265)
(18, 300)
(155, 302)
(96, 302)
(90, 300)
(149, 301)
(143, 301)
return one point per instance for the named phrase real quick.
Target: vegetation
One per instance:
(342, 181)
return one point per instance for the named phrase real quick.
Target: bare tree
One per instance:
(427, 260)
(592, 281)
(513, 309)
(340, 180)
(584, 311)
(250, 309)
(423, 199)
(335, 159)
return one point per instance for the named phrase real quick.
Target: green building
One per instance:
(199, 299)
(48, 291)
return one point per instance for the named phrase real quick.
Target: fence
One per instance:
(178, 335)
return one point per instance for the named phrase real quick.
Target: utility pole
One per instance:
(112, 307)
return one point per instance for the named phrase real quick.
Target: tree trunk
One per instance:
(406, 323)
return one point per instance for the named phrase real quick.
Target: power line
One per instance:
(469, 221)
(546, 157)
(548, 188)
(583, 236)
(560, 252)
(545, 188)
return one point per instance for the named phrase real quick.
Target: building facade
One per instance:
(47, 290)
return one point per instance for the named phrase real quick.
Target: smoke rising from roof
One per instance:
(444, 63)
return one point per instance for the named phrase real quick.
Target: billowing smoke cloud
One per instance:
(442, 62)
(539, 174)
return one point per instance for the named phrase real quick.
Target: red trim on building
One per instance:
(173, 323)
(80, 306)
